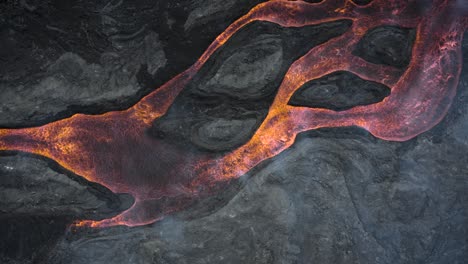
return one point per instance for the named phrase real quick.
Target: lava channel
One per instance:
(113, 149)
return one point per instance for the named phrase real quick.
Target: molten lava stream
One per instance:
(114, 149)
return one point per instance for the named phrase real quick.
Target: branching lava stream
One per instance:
(113, 149)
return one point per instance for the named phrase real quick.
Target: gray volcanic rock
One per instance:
(249, 71)
(37, 204)
(339, 91)
(205, 13)
(220, 134)
(71, 81)
(388, 45)
(62, 59)
(362, 2)
(92, 57)
(29, 186)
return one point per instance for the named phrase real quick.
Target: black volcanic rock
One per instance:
(81, 56)
(362, 2)
(37, 204)
(236, 86)
(389, 45)
(339, 91)
(29, 186)
(247, 73)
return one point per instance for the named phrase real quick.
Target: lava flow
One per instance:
(114, 149)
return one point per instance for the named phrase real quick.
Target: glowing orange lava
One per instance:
(114, 150)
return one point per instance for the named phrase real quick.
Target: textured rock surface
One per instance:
(339, 91)
(29, 186)
(92, 57)
(37, 203)
(388, 45)
(234, 89)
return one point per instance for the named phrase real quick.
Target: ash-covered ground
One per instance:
(335, 196)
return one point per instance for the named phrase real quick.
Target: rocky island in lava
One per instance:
(234, 131)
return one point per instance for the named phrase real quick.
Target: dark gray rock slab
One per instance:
(362, 2)
(37, 203)
(249, 72)
(220, 134)
(71, 82)
(203, 13)
(389, 45)
(29, 186)
(93, 57)
(339, 91)
(77, 57)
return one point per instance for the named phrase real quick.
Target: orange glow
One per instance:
(113, 149)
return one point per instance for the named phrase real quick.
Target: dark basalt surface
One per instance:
(389, 45)
(229, 98)
(38, 200)
(30, 185)
(362, 2)
(81, 56)
(339, 91)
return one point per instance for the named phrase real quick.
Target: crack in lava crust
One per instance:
(114, 150)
